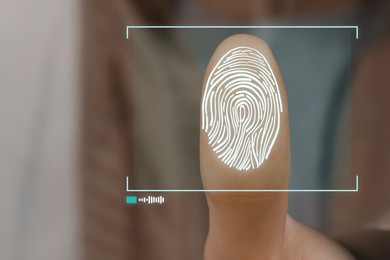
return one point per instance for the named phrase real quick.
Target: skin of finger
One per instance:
(251, 223)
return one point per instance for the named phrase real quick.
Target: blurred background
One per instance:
(81, 108)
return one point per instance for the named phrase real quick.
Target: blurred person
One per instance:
(178, 230)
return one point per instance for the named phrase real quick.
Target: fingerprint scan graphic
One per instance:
(241, 108)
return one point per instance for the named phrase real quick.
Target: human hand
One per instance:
(251, 225)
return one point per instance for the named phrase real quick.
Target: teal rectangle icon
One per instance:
(131, 199)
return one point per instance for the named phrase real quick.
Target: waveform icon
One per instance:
(152, 200)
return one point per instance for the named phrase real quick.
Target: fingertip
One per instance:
(244, 135)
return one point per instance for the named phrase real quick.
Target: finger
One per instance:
(244, 145)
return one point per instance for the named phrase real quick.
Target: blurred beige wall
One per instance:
(38, 131)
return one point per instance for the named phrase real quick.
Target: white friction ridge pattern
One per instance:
(241, 108)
